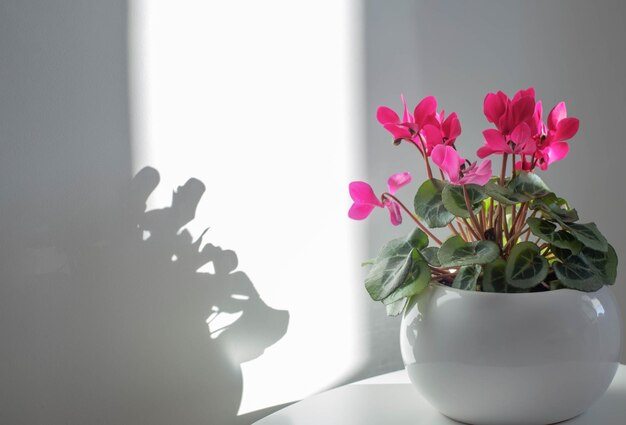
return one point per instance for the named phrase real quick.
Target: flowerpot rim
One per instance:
(562, 291)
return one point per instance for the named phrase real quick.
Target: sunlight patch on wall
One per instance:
(259, 100)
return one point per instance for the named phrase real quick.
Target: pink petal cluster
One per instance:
(520, 129)
(507, 114)
(551, 146)
(425, 127)
(455, 169)
(365, 200)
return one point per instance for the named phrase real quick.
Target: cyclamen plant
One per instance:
(491, 218)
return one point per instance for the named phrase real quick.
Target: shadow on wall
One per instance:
(150, 327)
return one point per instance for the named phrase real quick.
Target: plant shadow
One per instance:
(139, 334)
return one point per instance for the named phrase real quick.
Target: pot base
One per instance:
(511, 359)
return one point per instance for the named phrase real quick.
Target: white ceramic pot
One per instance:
(505, 359)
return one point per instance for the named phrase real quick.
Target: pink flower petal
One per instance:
(432, 136)
(494, 107)
(451, 128)
(396, 181)
(440, 117)
(521, 110)
(406, 117)
(394, 213)
(484, 152)
(362, 193)
(484, 169)
(479, 175)
(529, 148)
(557, 151)
(386, 115)
(425, 110)
(529, 92)
(496, 141)
(360, 211)
(521, 134)
(566, 129)
(448, 159)
(537, 126)
(398, 131)
(557, 113)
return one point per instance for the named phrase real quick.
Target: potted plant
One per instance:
(509, 319)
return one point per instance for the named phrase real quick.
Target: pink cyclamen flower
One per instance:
(505, 113)
(443, 131)
(537, 127)
(519, 142)
(365, 200)
(552, 146)
(400, 129)
(549, 140)
(425, 125)
(455, 170)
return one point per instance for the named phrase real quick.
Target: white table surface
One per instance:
(391, 400)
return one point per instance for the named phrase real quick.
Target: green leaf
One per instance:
(429, 206)
(418, 239)
(526, 267)
(564, 239)
(552, 206)
(605, 263)
(466, 277)
(456, 252)
(494, 279)
(589, 235)
(454, 199)
(611, 267)
(430, 256)
(561, 253)
(399, 269)
(390, 269)
(414, 282)
(397, 307)
(503, 194)
(542, 228)
(546, 231)
(528, 184)
(577, 273)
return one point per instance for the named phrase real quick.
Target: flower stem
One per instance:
(463, 234)
(453, 229)
(522, 215)
(449, 274)
(483, 220)
(501, 222)
(513, 238)
(513, 165)
(471, 229)
(471, 212)
(425, 155)
(413, 216)
(531, 216)
(514, 206)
